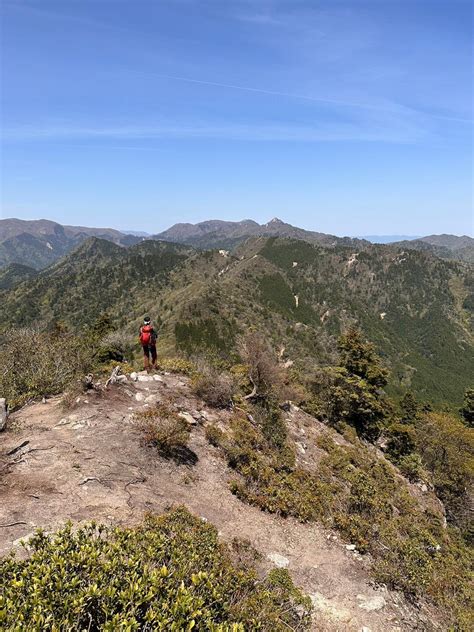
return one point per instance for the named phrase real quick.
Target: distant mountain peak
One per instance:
(276, 221)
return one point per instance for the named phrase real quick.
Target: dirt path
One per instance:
(90, 463)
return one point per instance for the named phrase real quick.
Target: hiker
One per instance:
(148, 343)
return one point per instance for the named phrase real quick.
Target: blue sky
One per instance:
(347, 117)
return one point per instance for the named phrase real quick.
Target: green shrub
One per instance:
(401, 441)
(164, 429)
(214, 435)
(446, 447)
(169, 573)
(411, 467)
(177, 365)
(359, 493)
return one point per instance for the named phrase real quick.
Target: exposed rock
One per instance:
(145, 378)
(371, 603)
(351, 547)
(301, 447)
(279, 560)
(323, 605)
(139, 397)
(134, 376)
(3, 413)
(188, 418)
(158, 378)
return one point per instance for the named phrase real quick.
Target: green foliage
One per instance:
(177, 365)
(401, 441)
(199, 335)
(276, 292)
(446, 447)
(411, 466)
(467, 410)
(342, 398)
(360, 359)
(409, 408)
(169, 573)
(269, 477)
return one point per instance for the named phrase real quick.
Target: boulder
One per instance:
(3, 413)
(134, 376)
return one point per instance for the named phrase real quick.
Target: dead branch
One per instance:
(18, 448)
(115, 377)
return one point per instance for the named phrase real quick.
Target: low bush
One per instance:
(360, 494)
(411, 467)
(177, 365)
(36, 363)
(169, 573)
(214, 386)
(214, 435)
(164, 429)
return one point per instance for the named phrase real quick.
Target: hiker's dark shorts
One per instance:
(149, 350)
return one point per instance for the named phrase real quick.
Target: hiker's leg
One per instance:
(146, 360)
(153, 356)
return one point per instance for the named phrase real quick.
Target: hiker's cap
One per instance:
(147, 320)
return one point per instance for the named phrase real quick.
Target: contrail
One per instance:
(272, 92)
(309, 98)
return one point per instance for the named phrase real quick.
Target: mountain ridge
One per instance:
(417, 308)
(39, 243)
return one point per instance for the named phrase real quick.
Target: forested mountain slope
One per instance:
(415, 307)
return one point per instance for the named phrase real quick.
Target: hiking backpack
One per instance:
(146, 334)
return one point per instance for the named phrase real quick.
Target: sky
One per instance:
(348, 117)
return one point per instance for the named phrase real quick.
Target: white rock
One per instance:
(351, 547)
(157, 378)
(145, 378)
(134, 376)
(301, 447)
(139, 397)
(3, 413)
(188, 418)
(371, 603)
(364, 628)
(279, 560)
(152, 399)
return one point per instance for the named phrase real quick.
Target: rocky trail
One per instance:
(90, 462)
